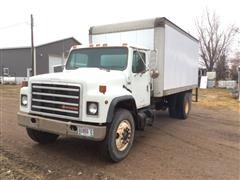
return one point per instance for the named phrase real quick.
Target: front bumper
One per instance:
(61, 127)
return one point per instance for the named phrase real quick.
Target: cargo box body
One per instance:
(176, 50)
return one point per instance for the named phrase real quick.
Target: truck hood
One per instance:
(83, 75)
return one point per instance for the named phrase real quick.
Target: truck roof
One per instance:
(105, 45)
(137, 25)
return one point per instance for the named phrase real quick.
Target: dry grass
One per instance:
(218, 98)
(9, 90)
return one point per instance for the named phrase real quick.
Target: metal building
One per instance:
(49, 57)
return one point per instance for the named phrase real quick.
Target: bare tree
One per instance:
(214, 42)
(235, 63)
(221, 68)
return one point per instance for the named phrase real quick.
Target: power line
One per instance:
(14, 25)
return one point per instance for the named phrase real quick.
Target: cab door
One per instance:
(140, 79)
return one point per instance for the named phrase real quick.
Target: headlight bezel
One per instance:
(89, 103)
(24, 102)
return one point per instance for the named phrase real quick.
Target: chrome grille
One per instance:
(55, 100)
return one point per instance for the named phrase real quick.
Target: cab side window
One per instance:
(139, 61)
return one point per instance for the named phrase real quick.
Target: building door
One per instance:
(54, 61)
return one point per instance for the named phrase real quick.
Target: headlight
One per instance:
(24, 100)
(92, 108)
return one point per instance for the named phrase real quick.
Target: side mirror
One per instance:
(154, 73)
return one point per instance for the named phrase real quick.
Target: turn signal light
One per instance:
(102, 89)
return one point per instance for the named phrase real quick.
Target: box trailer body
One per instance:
(108, 89)
(176, 50)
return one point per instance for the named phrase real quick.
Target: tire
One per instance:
(116, 149)
(41, 137)
(184, 103)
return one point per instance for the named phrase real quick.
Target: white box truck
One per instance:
(112, 87)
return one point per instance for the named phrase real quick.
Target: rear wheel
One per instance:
(179, 105)
(172, 101)
(120, 136)
(41, 137)
(185, 103)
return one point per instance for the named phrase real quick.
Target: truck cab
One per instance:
(124, 64)
(83, 100)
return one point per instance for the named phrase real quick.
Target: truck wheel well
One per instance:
(127, 104)
(124, 103)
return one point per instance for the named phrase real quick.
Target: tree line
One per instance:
(215, 46)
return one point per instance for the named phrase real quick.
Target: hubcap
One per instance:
(123, 135)
(187, 107)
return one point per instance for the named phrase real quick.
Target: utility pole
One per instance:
(32, 47)
(238, 82)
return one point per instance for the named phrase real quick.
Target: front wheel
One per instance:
(121, 135)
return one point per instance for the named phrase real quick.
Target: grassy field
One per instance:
(218, 98)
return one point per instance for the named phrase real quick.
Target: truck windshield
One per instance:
(114, 58)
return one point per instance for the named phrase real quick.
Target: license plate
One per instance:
(83, 131)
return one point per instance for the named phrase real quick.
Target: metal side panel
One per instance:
(177, 90)
(140, 38)
(159, 39)
(180, 60)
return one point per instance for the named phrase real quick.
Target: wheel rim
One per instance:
(186, 107)
(123, 135)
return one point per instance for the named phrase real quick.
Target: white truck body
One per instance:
(107, 91)
(177, 51)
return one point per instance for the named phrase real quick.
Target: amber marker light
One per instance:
(102, 89)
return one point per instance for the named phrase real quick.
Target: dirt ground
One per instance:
(205, 146)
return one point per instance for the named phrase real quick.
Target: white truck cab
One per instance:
(106, 92)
